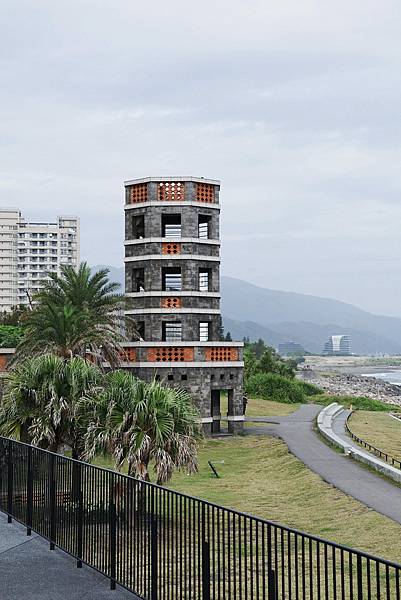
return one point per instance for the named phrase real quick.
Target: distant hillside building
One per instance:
(337, 345)
(290, 348)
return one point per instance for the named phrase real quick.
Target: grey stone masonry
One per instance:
(172, 284)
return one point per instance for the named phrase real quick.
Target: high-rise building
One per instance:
(339, 345)
(30, 251)
(9, 220)
(172, 278)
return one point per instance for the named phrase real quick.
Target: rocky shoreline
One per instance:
(339, 384)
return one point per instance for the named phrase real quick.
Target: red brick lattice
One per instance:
(3, 362)
(128, 354)
(170, 354)
(138, 193)
(221, 354)
(204, 192)
(171, 303)
(171, 248)
(171, 191)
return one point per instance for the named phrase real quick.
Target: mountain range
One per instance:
(276, 316)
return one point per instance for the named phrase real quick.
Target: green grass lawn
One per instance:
(257, 407)
(261, 477)
(379, 429)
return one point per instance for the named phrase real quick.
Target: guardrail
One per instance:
(163, 545)
(380, 453)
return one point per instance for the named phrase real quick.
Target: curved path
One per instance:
(297, 432)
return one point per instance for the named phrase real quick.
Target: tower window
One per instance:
(171, 280)
(172, 331)
(204, 280)
(171, 227)
(204, 331)
(138, 280)
(204, 222)
(138, 227)
(140, 329)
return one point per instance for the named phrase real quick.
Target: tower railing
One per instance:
(161, 544)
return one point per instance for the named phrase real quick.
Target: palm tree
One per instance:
(42, 401)
(139, 423)
(75, 313)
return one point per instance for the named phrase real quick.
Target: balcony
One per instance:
(184, 354)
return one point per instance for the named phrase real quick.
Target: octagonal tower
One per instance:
(172, 284)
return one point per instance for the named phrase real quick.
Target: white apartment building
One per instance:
(30, 251)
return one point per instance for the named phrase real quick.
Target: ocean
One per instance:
(393, 377)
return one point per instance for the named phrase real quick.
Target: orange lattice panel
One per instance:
(171, 190)
(171, 303)
(138, 193)
(3, 362)
(171, 248)
(170, 354)
(128, 354)
(221, 354)
(204, 192)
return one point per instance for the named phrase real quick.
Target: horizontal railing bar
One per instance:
(388, 458)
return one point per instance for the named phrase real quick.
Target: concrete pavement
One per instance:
(30, 571)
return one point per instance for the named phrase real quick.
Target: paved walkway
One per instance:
(297, 432)
(30, 571)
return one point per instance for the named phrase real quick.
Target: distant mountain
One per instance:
(310, 335)
(254, 312)
(308, 320)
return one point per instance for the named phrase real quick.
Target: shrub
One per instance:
(271, 386)
(309, 389)
(358, 403)
(10, 336)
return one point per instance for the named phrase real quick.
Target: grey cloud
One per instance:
(294, 105)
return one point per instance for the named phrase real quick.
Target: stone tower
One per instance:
(172, 284)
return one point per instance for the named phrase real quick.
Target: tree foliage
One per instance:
(43, 399)
(53, 402)
(10, 336)
(75, 313)
(139, 423)
(15, 316)
(260, 358)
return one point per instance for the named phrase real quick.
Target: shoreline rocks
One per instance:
(341, 384)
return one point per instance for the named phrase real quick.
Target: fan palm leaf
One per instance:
(75, 314)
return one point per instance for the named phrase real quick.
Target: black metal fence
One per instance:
(164, 545)
(380, 453)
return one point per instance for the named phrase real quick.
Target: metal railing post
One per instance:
(29, 493)
(271, 574)
(79, 517)
(52, 497)
(112, 532)
(205, 558)
(153, 547)
(359, 577)
(272, 585)
(10, 482)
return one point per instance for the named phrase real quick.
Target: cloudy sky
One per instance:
(293, 104)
